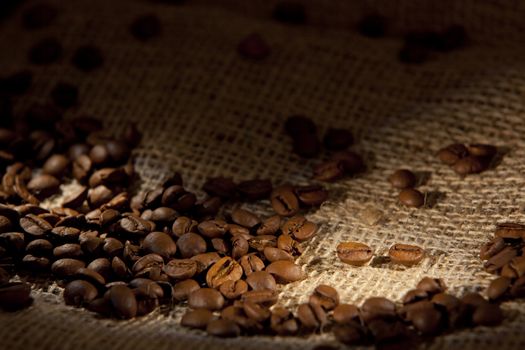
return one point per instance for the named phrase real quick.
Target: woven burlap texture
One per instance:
(206, 112)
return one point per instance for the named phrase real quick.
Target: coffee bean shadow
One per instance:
(432, 198)
(422, 177)
(498, 158)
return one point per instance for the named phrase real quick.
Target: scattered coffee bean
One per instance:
(402, 179)
(198, 319)
(491, 248)
(451, 154)
(226, 269)
(261, 280)
(223, 328)
(245, 218)
(284, 201)
(123, 301)
(412, 198)
(325, 296)
(159, 243)
(34, 225)
(345, 313)
(15, 296)
(285, 271)
(510, 230)
(206, 298)
(300, 228)
(489, 315)
(354, 253)
(406, 254)
(498, 288)
(377, 307)
(79, 292)
(469, 165)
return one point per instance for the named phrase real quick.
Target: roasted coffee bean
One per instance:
(402, 179)
(518, 288)
(213, 228)
(178, 198)
(256, 312)
(325, 296)
(99, 196)
(66, 233)
(66, 267)
(76, 150)
(491, 248)
(123, 301)
(300, 228)
(183, 225)
(282, 322)
(288, 244)
(220, 187)
(264, 297)
(208, 207)
(159, 243)
(473, 300)
(510, 230)
(259, 243)
(56, 165)
(269, 226)
(92, 245)
(43, 186)
(261, 280)
(245, 218)
(65, 95)
(337, 139)
(147, 261)
(354, 253)
(469, 165)
(45, 51)
(113, 247)
(240, 247)
(91, 276)
(191, 244)
(406, 254)
(223, 328)
(233, 289)
(412, 198)
(79, 292)
(329, 171)
(284, 201)
(226, 269)
(447, 301)
(285, 271)
(489, 315)
(255, 189)
(198, 319)
(311, 316)
(109, 177)
(35, 263)
(372, 26)
(205, 260)
(253, 47)
(13, 241)
(498, 288)
(146, 27)
(87, 58)
(452, 153)
(22, 191)
(146, 306)
(82, 166)
(99, 154)
(4, 277)
(482, 150)
(34, 225)
(206, 298)
(180, 269)
(118, 151)
(5, 224)
(135, 225)
(275, 254)
(428, 321)
(499, 260)
(312, 195)
(220, 246)
(349, 334)
(251, 263)
(15, 296)
(415, 295)
(68, 250)
(183, 289)
(377, 307)
(351, 162)
(39, 247)
(144, 288)
(101, 266)
(345, 314)
(119, 268)
(514, 268)
(432, 285)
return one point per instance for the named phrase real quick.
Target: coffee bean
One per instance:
(146, 27)
(240, 247)
(220, 246)
(39, 16)
(245, 218)
(112, 247)
(45, 51)
(148, 261)
(345, 314)
(473, 300)
(66, 233)
(311, 316)
(432, 285)
(256, 312)
(351, 162)
(499, 260)
(68, 250)
(269, 226)
(349, 334)
(205, 260)
(284, 201)
(64, 95)
(510, 230)
(427, 321)
(22, 191)
(191, 244)
(329, 171)
(261, 280)
(251, 263)
(226, 269)
(220, 187)
(78, 292)
(491, 248)
(178, 198)
(118, 151)
(514, 268)
(518, 288)
(452, 153)
(198, 319)
(136, 226)
(498, 288)
(406, 254)
(354, 253)
(39, 247)
(66, 267)
(43, 186)
(144, 288)
(101, 266)
(206, 298)
(82, 167)
(288, 244)
(109, 177)
(469, 165)
(264, 297)
(183, 225)
(402, 178)
(255, 189)
(275, 254)
(223, 328)
(482, 150)
(123, 301)
(4, 277)
(411, 198)
(182, 289)
(91, 276)
(253, 47)
(180, 269)
(87, 58)
(5, 224)
(213, 228)
(337, 139)
(235, 313)
(489, 315)
(56, 165)
(285, 271)
(372, 26)
(34, 225)
(35, 263)
(233, 289)
(415, 295)
(377, 307)
(300, 228)
(99, 196)
(312, 195)
(282, 322)
(259, 243)
(15, 296)
(159, 243)
(325, 296)
(448, 301)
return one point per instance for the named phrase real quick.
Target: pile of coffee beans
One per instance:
(466, 160)
(405, 180)
(358, 254)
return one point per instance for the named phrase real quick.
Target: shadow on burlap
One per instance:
(205, 112)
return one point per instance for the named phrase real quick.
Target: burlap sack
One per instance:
(206, 112)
